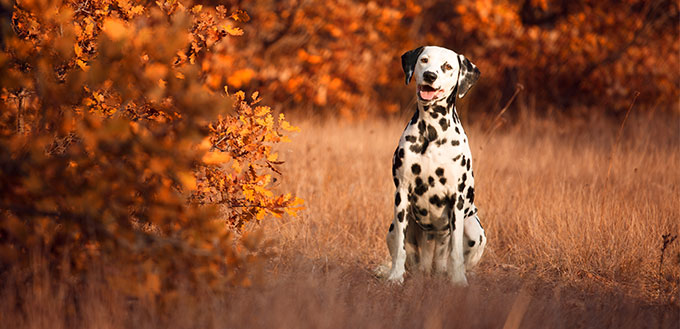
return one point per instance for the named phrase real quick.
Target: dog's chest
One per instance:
(444, 158)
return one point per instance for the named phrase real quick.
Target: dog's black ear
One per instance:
(408, 62)
(467, 75)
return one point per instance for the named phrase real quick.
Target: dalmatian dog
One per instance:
(435, 226)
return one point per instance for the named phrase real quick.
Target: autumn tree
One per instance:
(119, 147)
(343, 56)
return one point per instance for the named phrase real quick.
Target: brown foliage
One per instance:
(106, 137)
(343, 56)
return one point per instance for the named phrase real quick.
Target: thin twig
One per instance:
(613, 151)
(519, 87)
(496, 122)
(668, 239)
(20, 114)
(81, 8)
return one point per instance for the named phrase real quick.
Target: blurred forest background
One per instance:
(570, 56)
(146, 176)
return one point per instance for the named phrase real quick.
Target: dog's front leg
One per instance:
(456, 264)
(396, 238)
(474, 241)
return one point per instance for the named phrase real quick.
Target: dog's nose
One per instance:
(429, 76)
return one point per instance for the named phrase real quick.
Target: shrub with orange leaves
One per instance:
(243, 142)
(118, 149)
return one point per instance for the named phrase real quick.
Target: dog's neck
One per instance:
(443, 108)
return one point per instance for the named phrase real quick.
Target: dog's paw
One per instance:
(382, 271)
(459, 280)
(396, 277)
(396, 280)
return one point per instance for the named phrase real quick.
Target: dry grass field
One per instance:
(582, 245)
(569, 246)
(545, 201)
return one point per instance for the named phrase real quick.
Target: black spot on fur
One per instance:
(451, 202)
(439, 171)
(414, 118)
(396, 182)
(391, 227)
(440, 109)
(464, 176)
(455, 114)
(460, 202)
(471, 194)
(397, 199)
(412, 198)
(427, 134)
(421, 188)
(431, 133)
(461, 187)
(397, 160)
(471, 243)
(462, 162)
(435, 200)
(415, 168)
(451, 100)
(410, 138)
(455, 142)
(420, 148)
(444, 123)
(468, 164)
(442, 180)
(457, 130)
(430, 180)
(400, 216)
(457, 157)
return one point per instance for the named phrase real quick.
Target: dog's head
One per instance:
(439, 72)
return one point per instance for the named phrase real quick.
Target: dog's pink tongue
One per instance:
(427, 95)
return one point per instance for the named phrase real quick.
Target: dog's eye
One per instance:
(449, 67)
(423, 60)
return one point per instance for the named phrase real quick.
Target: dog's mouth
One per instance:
(428, 93)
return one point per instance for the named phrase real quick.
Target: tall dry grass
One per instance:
(555, 258)
(540, 189)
